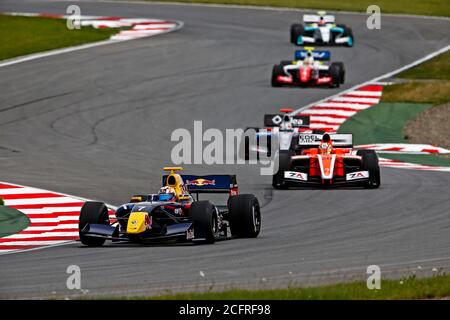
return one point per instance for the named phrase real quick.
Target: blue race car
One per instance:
(321, 29)
(173, 214)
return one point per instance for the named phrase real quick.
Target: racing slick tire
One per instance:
(205, 221)
(296, 31)
(244, 216)
(370, 163)
(284, 164)
(341, 66)
(348, 32)
(336, 74)
(276, 71)
(95, 213)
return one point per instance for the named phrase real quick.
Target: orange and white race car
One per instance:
(326, 160)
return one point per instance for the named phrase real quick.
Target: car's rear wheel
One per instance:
(342, 71)
(335, 74)
(244, 216)
(205, 221)
(276, 71)
(284, 164)
(370, 163)
(92, 213)
(296, 31)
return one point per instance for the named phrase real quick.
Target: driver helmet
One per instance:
(309, 59)
(166, 194)
(286, 124)
(321, 21)
(326, 146)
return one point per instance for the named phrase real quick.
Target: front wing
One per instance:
(302, 178)
(180, 231)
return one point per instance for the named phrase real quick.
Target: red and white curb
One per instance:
(331, 113)
(414, 166)
(404, 148)
(135, 27)
(53, 217)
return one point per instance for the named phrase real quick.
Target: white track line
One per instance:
(50, 53)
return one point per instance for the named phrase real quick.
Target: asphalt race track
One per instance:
(96, 123)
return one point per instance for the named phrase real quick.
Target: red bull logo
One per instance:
(200, 182)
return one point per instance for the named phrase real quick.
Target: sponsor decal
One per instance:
(296, 175)
(307, 139)
(278, 119)
(357, 175)
(200, 182)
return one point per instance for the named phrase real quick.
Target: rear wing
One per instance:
(313, 18)
(209, 184)
(338, 139)
(319, 55)
(274, 120)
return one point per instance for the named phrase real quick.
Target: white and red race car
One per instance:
(310, 68)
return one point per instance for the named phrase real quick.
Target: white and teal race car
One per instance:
(321, 29)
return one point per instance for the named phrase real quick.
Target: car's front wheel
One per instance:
(205, 221)
(284, 164)
(92, 213)
(245, 216)
(370, 163)
(297, 30)
(277, 70)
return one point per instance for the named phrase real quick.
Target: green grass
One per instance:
(434, 92)
(436, 68)
(418, 7)
(384, 123)
(11, 221)
(410, 288)
(25, 35)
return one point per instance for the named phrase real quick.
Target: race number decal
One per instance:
(296, 175)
